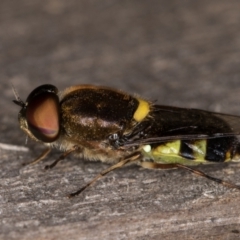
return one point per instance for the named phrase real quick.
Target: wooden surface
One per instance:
(182, 53)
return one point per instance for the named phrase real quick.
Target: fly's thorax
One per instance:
(95, 113)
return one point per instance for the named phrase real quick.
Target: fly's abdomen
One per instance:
(192, 152)
(211, 150)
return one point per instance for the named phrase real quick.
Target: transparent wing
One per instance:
(171, 123)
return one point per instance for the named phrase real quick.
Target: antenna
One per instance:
(18, 100)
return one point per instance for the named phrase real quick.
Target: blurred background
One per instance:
(179, 53)
(182, 53)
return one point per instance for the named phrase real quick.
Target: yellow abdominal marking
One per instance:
(172, 148)
(228, 156)
(142, 110)
(199, 149)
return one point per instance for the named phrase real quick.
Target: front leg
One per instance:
(62, 156)
(39, 158)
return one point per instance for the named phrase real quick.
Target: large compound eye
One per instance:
(42, 113)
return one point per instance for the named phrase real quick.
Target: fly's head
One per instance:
(39, 116)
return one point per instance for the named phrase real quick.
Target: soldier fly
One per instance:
(100, 123)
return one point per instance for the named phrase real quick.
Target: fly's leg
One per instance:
(202, 174)
(131, 158)
(153, 165)
(64, 155)
(40, 158)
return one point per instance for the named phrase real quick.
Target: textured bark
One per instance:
(181, 53)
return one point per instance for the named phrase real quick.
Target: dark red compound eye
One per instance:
(42, 114)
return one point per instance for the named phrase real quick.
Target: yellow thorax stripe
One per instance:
(142, 110)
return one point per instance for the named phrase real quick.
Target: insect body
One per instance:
(100, 123)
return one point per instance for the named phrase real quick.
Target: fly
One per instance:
(100, 123)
